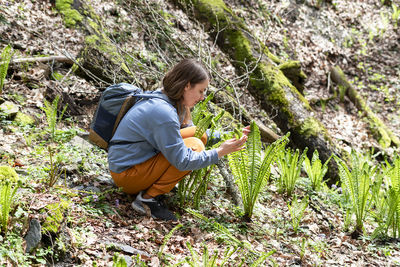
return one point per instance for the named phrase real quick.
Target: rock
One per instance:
(54, 216)
(33, 236)
(24, 119)
(105, 179)
(125, 248)
(92, 189)
(79, 141)
(9, 109)
(128, 260)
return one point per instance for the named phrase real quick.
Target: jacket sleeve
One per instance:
(169, 142)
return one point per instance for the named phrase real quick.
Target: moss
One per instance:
(55, 216)
(293, 65)
(71, 16)
(8, 174)
(94, 26)
(240, 45)
(91, 39)
(24, 119)
(214, 10)
(311, 127)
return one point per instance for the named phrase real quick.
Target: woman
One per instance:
(151, 153)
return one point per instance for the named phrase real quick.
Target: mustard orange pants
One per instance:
(156, 175)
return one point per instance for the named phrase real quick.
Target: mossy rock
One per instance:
(55, 216)
(24, 119)
(8, 174)
(9, 109)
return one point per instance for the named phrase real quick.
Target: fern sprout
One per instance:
(297, 210)
(356, 183)
(7, 193)
(5, 59)
(289, 167)
(315, 170)
(251, 170)
(387, 200)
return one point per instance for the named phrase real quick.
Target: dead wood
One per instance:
(381, 132)
(231, 187)
(61, 59)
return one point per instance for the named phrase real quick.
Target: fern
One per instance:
(222, 230)
(296, 211)
(50, 109)
(5, 59)
(167, 238)
(119, 260)
(315, 170)
(357, 184)
(192, 189)
(7, 193)
(200, 108)
(203, 125)
(251, 170)
(289, 168)
(388, 213)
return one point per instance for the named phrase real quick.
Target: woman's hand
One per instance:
(232, 145)
(246, 130)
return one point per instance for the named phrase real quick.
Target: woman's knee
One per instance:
(190, 131)
(194, 143)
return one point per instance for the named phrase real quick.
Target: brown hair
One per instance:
(186, 71)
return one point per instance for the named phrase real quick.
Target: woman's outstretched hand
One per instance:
(234, 144)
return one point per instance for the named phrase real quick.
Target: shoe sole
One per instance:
(138, 208)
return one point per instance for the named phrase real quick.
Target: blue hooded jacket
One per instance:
(152, 126)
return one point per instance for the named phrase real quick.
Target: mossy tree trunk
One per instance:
(381, 132)
(268, 84)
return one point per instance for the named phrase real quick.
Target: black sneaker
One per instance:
(157, 208)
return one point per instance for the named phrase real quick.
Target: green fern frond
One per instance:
(357, 185)
(250, 170)
(5, 59)
(167, 238)
(200, 109)
(202, 126)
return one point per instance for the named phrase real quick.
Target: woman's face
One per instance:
(194, 94)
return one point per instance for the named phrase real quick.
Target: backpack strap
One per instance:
(142, 96)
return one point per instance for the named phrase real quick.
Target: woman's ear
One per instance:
(187, 87)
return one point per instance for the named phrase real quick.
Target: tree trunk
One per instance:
(268, 84)
(381, 132)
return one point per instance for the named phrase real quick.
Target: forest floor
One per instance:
(98, 221)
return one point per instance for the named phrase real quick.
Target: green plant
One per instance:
(395, 14)
(119, 260)
(356, 183)
(297, 210)
(208, 260)
(166, 239)
(251, 170)
(315, 170)
(50, 109)
(223, 231)
(7, 193)
(195, 186)
(5, 59)
(289, 165)
(55, 169)
(192, 188)
(387, 200)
